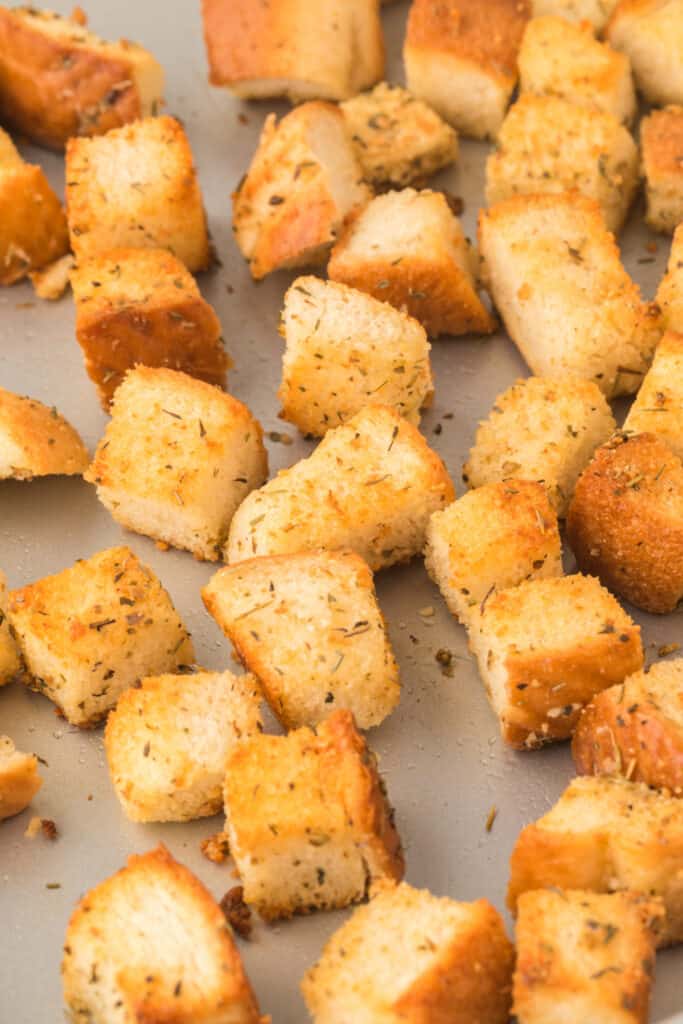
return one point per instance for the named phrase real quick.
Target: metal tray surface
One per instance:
(444, 762)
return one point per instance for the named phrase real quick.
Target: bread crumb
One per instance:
(216, 848)
(33, 828)
(237, 913)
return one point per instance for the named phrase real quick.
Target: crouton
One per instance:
(177, 459)
(9, 657)
(370, 485)
(136, 187)
(595, 12)
(308, 820)
(556, 277)
(19, 779)
(650, 32)
(606, 835)
(585, 957)
(345, 350)
(397, 138)
(310, 629)
(150, 943)
(36, 441)
(168, 741)
(302, 182)
(541, 429)
(51, 283)
(91, 631)
(409, 956)
(142, 306)
(625, 522)
(461, 59)
(658, 408)
(329, 50)
(58, 80)
(661, 137)
(409, 249)
(670, 291)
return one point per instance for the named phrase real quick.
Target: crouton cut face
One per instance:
(661, 135)
(595, 12)
(408, 956)
(370, 485)
(658, 408)
(150, 943)
(670, 291)
(177, 459)
(9, 656)
(650, 33)
(19, 779)
(309, 824)
(36, 441)
(92, 631)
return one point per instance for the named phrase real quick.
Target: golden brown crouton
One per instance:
(595, 12)
(19, 779)
(670, 291)
(661, 139)
(36, 441)
(650, 32)
(9, 656)
(658, 408)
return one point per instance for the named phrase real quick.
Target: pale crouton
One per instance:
(302, 182)
(542, 429)
(595, 12)
(650, 32)
(308, 820)
(461, 58)
(409, 249)
(606, 835)
(36, 441)
(345, 349)
(545, 648)
(658, 408)
(310, 629)
(661, 139)
(58, 80)
(670, 291)
(556, 277)
(168, 742)
(91, 631)
(136, 187)
(51, 283)
(142, 306)
(9, 656)
(409, 956)
(19, 779)
(151, 944)
(625, 522)
(177, 459)
(584, 956)
(329, 50)
(370, 485)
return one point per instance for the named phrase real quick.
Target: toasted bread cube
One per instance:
(661, 136)
(9, 656)
(658, 408)
(91, 631)
(650, 32)
(585, 957)
(670, 291)
(177, 459)
(346, 350)
(142, 306)
(136, 187)
(409, 957)
(409, 249)
(370, 485)
(556, 277)
(595, 12)
(36, 441)
(58, 80)
(308, 819)
(19, 779)
(151, 941)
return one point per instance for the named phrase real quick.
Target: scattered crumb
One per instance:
(493, 813)
(445, 659)
(242, 118)
(236, 911)
(668, 649)
(427, 612)
(161, 545)
(279, 438)
(216, 848)
(52, 281)
(33, 828)
(652, 247)
(49, 829)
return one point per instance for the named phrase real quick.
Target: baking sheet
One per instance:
(440, 751)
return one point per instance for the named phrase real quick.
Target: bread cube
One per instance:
(329, 50)
(658, 408)
(58, 80)
(409, 249)
(168, 742)
(544, 430)
(606, 835)
(370, 485)
(310, 629)
(585, 957)
(177, 459)
(302, 182)
(346, 350)
(650, 32)
(661, 137)
(308, 819)
(9, 656)
(408, 957)
(136, 187)
(670, 291)
(595, 12)
(461, 59)
(91, 631)
(36, 441)
(19, 779)
(625, 522)
(556, 277)
(150, 942)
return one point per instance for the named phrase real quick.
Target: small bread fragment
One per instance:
(670, 292)
(650, 32)
(19, 779)
(541, 429)
(91, 631)
(409, 249)
(595, 12)
(136, 187)
(370, 485)
(310, 629)
(309, 823)
(9, 656)
(625, 522)
(36, 441)
(409, 957)
(151, 944)
(661, 139)
(345, 350)
(658, 408)
(52, 282)
(177, 459)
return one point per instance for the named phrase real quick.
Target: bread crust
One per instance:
(40, 441)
